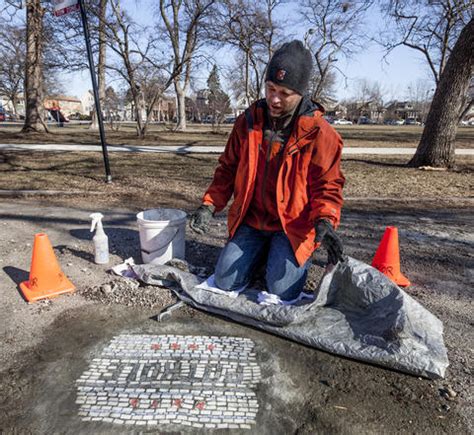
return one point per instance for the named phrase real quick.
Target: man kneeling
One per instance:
(282, 166)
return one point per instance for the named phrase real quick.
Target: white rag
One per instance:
(265, 298)
(210, 285)
(125, 269)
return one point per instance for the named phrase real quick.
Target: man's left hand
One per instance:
(326, 235)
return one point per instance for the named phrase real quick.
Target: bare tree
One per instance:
(39, 61)
(323, 87)
(136, 63)
(335, 31)
(426, 26)
(429, 27)
(252, 30)
(12, 65)
(437, 144)
(433, 28)
(34, 68)
(367, 98)
(184, 20)
(419, 94)
(112, 103)
(101, 63)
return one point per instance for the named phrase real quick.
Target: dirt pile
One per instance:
(131, 293)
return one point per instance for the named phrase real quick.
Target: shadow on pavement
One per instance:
(76, 252)
(16, 275)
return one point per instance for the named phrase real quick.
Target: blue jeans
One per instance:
(244, 252)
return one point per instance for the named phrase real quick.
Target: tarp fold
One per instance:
(357, 313)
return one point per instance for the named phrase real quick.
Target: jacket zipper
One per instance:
(290, 154)
(265, 175)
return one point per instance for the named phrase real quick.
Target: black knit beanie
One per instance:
(291, 66)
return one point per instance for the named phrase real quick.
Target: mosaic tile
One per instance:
(197, 381)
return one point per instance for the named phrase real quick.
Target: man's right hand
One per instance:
(199, 221)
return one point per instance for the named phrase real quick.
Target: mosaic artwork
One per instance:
(197, 381)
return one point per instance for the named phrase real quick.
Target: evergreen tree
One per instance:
(219, 102)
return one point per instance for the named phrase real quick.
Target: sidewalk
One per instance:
(185, 149)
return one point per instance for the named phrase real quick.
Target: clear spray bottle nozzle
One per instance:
(96, 220)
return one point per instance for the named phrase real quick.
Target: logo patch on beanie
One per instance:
(280, 75)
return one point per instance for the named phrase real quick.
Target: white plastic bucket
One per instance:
(162, 234)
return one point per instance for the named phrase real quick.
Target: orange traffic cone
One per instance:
(387, 258)
(46, 277)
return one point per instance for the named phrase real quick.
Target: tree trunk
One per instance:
(437, 144)
(101, 62)
(138, 114)
(181, 102)
(247, 79)
(14, 104)
(34, 68)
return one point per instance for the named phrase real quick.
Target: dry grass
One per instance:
(354, 136)
(150, 180)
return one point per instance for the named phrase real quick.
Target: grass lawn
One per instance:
(353, 135)
(150, 180)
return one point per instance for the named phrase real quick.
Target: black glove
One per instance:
(326, 235)
(200, 219)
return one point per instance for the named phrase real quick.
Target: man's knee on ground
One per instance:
(287, 286)
(227, 280)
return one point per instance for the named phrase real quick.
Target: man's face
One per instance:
(280, 100)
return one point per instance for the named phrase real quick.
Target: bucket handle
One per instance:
(164, 245)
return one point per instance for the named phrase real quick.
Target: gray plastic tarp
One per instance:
(357, 313)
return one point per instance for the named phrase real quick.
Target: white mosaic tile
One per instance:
(197, 381)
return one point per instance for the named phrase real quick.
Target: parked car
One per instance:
(209, 119)
(394, 122)
(412, 121)
(9, 116)
(229, 119)
(363, 120)
(2, 116)
(342, 121)
(329, 119)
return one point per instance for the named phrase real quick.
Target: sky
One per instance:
(402, 67)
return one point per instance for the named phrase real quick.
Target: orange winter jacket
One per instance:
(309, 184)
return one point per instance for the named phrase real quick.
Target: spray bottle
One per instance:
(101, 241)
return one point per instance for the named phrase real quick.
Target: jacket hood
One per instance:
(309, 106)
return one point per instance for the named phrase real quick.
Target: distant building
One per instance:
(88, 104)
(401, 110)
(7, 106)
(372, 110)
(164, 110)
(365, 112)
(334, 109)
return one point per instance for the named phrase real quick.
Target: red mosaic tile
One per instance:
(200, 405)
